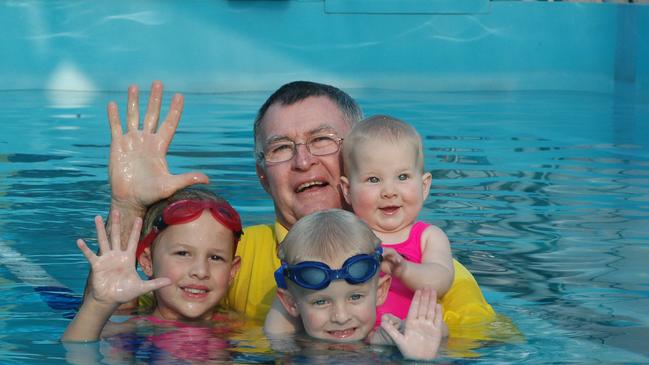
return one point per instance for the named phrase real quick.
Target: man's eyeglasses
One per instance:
(284, 150)
(316, 275)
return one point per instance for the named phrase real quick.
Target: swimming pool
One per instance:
(543, 194)
(535, 119)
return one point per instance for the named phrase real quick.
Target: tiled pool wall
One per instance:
(212, 46)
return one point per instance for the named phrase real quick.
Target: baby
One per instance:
(386, 185)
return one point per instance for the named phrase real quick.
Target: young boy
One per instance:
(329, 279)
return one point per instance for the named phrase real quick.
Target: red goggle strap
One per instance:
(146, 242)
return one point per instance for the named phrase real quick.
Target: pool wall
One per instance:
(436, 45)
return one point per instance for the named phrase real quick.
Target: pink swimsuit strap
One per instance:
(412, 252)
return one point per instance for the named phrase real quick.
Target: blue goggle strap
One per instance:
(280, 276)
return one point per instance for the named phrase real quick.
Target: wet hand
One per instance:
(138, 171)
(422, 331)
(114, 277)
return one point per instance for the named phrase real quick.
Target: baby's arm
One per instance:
(436, 268)
(419, 337)
(114, 281)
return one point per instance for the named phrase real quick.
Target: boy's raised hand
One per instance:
(114, 276)
(138, 171)
(422, 332)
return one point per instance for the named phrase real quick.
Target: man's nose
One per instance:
(302, 159)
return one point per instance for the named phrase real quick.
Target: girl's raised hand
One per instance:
(114, 276)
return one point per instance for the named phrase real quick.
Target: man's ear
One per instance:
(427, 180)
(261, 174)
(382, 289)
(146, 262)
(236, 265)
(344, 186)
(288, 301)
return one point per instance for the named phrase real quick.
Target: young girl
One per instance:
(329, 281)
(386, 185)
(187, 251)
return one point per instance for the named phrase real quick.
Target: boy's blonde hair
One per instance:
(381, 128)
(327, 235)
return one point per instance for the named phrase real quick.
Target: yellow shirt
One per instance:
(253, 290)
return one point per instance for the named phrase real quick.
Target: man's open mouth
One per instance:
(310, 185)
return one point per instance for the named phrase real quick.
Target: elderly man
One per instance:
(298, 132)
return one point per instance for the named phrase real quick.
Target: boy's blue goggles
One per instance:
(317, 275)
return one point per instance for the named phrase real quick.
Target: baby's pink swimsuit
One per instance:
(400, 296)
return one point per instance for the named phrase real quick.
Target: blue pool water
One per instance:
(545, 196)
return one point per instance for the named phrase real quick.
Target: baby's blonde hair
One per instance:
(327, 235)
(382, 128)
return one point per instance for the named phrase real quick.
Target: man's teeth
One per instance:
(309, 184)
(195, 291)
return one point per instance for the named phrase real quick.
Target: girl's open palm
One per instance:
(114, 276)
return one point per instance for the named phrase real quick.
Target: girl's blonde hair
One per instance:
(190, 193)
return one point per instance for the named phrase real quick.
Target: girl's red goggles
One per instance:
(184, 211)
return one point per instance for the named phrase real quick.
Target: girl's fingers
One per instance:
(134, 237)
(132, 109)
(115, 230)
(154, 284)
(153, 108)
(90, 256)
(104, 246)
